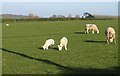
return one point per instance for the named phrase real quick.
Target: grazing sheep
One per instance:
(48, 43)
(63, 43)
(110, 34)
(91, 27)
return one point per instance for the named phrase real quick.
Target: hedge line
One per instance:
(52, 19)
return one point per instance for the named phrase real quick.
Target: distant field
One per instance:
(87, 53)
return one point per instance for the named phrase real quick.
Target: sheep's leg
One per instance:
(93, 31)
(87, 31)
(114, 40)
(107, 41)
(47, 48)
(65, 47)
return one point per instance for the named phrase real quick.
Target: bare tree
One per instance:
(77, 16)
(53, 16)
(61, 16)
(69, 16)
(30, 14)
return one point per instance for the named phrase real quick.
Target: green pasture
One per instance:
(86, 54)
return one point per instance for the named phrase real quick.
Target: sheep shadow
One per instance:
(79, 32)
(40, 48)
(93, 41)
(21, 36)
(67, 70)
(54, 48)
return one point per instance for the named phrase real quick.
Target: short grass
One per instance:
(87, 53)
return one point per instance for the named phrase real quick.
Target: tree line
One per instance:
(31, 17)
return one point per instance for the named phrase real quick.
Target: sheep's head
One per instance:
(43, 47)
(110, 35)
(111, 40)
(98, 31)
(59, 47)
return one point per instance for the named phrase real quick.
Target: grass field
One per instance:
(87, 53)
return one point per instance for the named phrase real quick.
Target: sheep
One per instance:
(91, 27)
(7, 24)
(48, 43)
(110, 34)
(63, 43)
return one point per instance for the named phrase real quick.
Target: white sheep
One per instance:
(110, 34)
(91, 27)
(48, 43)
(7, 24)
(63, 43)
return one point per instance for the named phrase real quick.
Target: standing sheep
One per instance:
(91, 27)
(63, 43)
(110, 34)
(48, 43)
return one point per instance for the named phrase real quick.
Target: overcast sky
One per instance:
(46, 9)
